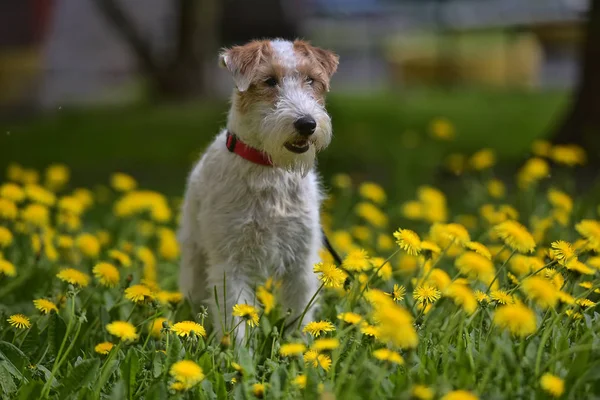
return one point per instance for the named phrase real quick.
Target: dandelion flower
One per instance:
(372, 191)
(45, 306)
(475, 266)
(578, 266)
(266, 298)
(19, 321)
(398, 292)
(459, 395)
(88, 244)
(326, 344)
(139, 293)
(123, 330)
(36, 215)
(187, 372)
(317, 360)
(408, 241)
(371, 214)
(560, 200)
(331, 276)
(369, 330)
(156, 326)
(247, 312)
(103, 348)
(357, 260)
(481, 297)
(13, 192)
(350, 318)
(534, 170)
(552, 385)
(292, 349)
(483, 159)
(316, 328)
(541, 291)
(515, 236)
(563, 251)
(517, 318)
(120, 257)
(388, 355)
(590, 230)
(122, 182)
(441, 128)
(74, 277)
(585, 303)
(6, 237)
(185, 328)
(107, 274)
(8, 209)
(300, 381)
(568, 154)
(479, 248)
(7, 268)
(496, 188)
(395, 326)
(258, 390)
(167, 297)
(426, 294)
(462, 296)
(422, 392)
(501, 297)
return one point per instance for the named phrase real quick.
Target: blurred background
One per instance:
(133, 85)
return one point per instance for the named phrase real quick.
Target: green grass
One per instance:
(158, 144)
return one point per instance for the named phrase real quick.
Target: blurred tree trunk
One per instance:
(181, 76)
(582, 121)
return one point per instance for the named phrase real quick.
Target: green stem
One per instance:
(308, 306)
(545, 336)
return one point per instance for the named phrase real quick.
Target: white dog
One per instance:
(251, 208)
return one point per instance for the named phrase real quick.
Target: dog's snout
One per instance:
(305, 125)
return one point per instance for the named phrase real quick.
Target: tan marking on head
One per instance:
(317, 63)
(243, 61)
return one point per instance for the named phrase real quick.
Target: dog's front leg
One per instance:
(298, 287)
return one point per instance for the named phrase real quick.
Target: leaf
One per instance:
(82, 375)
(157, 364)
(106, 374)
(31, 342)
(221, 388)
(208, 389)
(32, 390)
(7, 382)
(129, 370)
(246, 362)
(158, 391)
(16, 360)
(57, 329)
(175, 351)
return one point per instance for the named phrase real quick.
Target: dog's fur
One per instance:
(245, 222)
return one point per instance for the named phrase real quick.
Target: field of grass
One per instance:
(380, 137)
(490, 296)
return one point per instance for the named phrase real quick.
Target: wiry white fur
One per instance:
(284, 53)
(244, 222)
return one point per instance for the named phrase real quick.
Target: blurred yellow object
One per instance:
(18, 69)
(493, 59)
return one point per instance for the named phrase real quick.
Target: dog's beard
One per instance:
(277, 129)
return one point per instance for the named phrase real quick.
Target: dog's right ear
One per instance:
(242, 62)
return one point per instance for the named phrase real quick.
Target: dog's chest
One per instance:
(271, 225)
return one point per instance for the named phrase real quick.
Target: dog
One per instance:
(251, 207)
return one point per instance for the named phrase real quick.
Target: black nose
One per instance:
(305, 125)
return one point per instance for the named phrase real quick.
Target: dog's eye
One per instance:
(310, 80)
(271, 81)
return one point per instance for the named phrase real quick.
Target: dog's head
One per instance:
(279, 104)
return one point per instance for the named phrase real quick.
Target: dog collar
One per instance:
(235, 145)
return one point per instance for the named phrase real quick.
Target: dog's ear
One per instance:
(242, 62)
(328, 60)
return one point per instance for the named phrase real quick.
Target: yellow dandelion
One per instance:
(292, 349)
(590, 230)
(330, 275)
(36, 215)
(441, 128)
(107, 274)
(7, 268)
(568, 154)
(19, 321)
(247, 312)
(120, 257)
(258, 390)
(326, 344)
(459, 395)
(578, 266)
(388, 355)
(139, 293)
(88, 244)
(123, 330)
(350, 318)
(563, 251)
(185, 329)
(534, 170)
(398, 292)
(576, 316)
(552, 385)
(74, 277)
(422, 392)
(357, 260)
(483, 159)
(496, 188)
(462, 296)
(515, 236)
(8, 209)
(479, 248)
(342, 181)
(408, 241)
(103, 348)
(516, 318)
(565, 297)
(122, 182)
(156, 326)
(426, 294)
(372, 191)
(45, 306)
(501, 297)
(300, 381)
(541, 291)
(585, 303)
(167, 297)
(396, 325)
(316, 328)
(317, 360)
(481, 297)
(370, 213)
(266, 298)
(475, 266)
(13, 192)
(560, 200)
(187, 372)
(369, 330)
(412, 210)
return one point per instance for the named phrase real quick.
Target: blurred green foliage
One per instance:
(381, 137)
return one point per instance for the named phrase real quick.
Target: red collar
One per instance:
(235, 145)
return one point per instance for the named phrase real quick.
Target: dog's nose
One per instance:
(305, 125)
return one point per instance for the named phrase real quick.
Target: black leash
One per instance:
(331, 250)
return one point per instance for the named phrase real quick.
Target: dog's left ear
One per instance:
(242, 62)
(328, 60)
